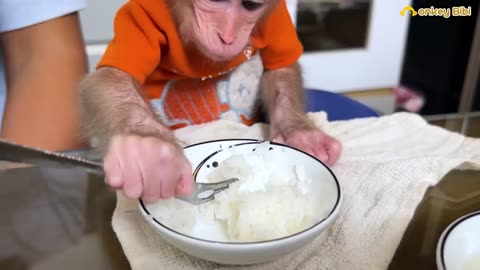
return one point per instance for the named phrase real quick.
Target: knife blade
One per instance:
(10, 151)
(13, 152)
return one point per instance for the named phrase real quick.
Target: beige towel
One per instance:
(386, 167)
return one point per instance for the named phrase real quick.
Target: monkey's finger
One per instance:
(151, 177)
(170, 178)
(132, 178)
(334, 150)
(111, 166)
(170, 175)
(302, 142)
(318, 144)
(185, 184)
(311, 151)
(320, 152)
(113, 172)
(279, 139)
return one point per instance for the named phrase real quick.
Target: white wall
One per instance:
(97, 26)
(378, 65)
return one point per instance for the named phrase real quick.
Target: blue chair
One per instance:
(337, 106)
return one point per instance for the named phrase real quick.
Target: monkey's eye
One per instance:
(251, 5)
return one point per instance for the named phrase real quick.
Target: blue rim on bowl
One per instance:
(253, 141)
(446, 233)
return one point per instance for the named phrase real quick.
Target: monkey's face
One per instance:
(222, 28)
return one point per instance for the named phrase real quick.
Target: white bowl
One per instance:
(459, 245)
(202, 156)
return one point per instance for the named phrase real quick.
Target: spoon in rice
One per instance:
(9, 151)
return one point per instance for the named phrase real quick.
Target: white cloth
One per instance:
(16, 14)
(385, 169)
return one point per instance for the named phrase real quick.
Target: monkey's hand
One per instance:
(148, 167)
(284, 102)
(310, 139)
(141, 156)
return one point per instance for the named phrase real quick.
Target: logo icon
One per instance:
(408, 8)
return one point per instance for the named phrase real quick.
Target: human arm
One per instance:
(44, 63)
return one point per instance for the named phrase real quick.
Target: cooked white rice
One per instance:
(270, 200)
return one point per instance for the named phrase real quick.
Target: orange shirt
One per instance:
(147, 46)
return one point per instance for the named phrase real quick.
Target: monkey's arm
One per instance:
(111, 104)
(140, 155)
(284, 100)
(111, 97)
(283, 96)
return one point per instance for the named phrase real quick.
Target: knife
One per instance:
(10, 151)
(13, 152)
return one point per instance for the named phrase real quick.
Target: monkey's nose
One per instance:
(226, 39)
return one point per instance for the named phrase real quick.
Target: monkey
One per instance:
(166, 52)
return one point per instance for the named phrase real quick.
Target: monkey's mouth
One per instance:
(219, 56)
(216, 51)
(222, 52)
(222, 56)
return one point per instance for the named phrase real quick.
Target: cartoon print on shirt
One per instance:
(232, 96)
(240, 91)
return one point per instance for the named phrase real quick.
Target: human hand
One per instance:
(147, 167)
(311, 140)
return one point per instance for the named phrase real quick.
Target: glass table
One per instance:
(457, 194)
(60, 219)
